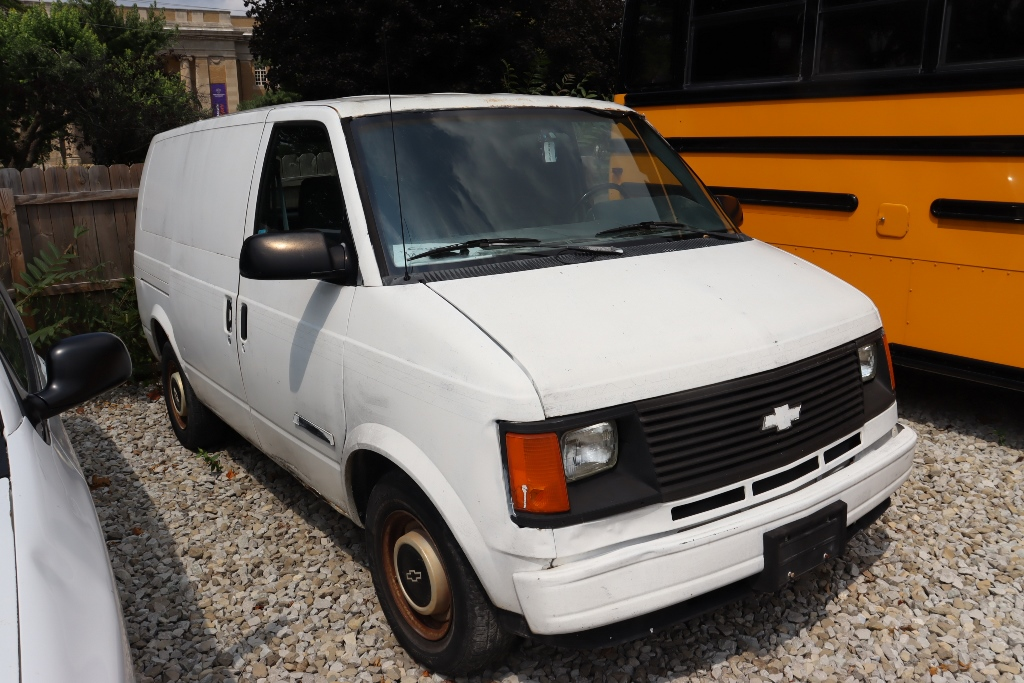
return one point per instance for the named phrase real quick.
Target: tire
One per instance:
(459, 640)
(195, 425)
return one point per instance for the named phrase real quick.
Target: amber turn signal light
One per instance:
(888, 358)
(535, 473)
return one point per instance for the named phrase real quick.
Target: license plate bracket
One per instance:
(802, 545)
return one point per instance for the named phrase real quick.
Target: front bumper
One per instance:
(704, 562)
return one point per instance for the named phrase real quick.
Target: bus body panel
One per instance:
(946, 285)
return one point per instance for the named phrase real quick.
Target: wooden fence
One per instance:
(38, 207)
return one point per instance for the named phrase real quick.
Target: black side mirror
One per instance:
(293, 256)
(732, 207)
(79, 368)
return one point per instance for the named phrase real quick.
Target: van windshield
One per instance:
(540, 178)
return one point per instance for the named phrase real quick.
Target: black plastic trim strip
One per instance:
(312, 429)
(796, 199)
(5, 463)
(983, 372)
(972, 210)
(841, 449)
(1003, 76)
(645, 625)
(785, 477)
(858, 145)
(706, 504)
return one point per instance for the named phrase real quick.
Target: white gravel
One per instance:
(246, 575)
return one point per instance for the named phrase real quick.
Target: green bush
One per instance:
(52, 317)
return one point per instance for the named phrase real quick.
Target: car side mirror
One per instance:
(78, 369)
(293, 256)
(732, 207)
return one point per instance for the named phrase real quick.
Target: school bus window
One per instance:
(870, 36)
(651, 59)
(983, 30)
(772, 31)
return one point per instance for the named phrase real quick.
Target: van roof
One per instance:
(368, 105)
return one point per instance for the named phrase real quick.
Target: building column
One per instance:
(202, 83)
(246, 81)
(185, 70)
(231, 80)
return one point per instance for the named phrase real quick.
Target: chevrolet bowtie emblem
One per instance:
(782, 418)
(413, 576)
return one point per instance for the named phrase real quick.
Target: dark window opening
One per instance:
(854, 35)
(652, 48)
(300, 189)
(983, 30)
(745, 40)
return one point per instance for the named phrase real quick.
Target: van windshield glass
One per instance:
(544, 177)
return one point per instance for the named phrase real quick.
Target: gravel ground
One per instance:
(245, 575)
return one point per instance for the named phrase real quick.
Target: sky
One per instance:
(235, 6)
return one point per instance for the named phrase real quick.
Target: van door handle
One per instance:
(229, 305)
(243, 322)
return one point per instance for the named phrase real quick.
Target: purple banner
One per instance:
(219, 97)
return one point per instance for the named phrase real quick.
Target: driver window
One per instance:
(300, 189)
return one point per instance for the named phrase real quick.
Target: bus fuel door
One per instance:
(893, 220)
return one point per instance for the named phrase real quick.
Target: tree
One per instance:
(134, 99)
(50, 61)
(89, 66)
(333, 48)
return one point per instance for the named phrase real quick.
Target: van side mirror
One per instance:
(732, 207)
(293, 256)
(78, 369)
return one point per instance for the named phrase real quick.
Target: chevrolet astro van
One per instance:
(518, 341)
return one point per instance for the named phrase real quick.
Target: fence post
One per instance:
(12, 233)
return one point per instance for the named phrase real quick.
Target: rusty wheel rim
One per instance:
(176, 399)
(430, 627)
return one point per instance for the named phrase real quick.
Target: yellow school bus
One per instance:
(882, 140)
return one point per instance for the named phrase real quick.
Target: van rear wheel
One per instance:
(430, 594)
(195, 425)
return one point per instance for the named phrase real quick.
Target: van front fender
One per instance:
(493, 567)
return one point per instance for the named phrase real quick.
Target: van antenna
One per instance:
(394, 149)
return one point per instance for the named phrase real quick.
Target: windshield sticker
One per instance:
(550, 156)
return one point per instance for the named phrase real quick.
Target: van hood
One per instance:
(604, 333)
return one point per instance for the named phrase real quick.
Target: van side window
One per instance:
(299, 189)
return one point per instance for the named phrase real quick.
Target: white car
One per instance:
(60, 616)
(517, 339)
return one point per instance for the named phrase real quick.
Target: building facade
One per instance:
(212, 55)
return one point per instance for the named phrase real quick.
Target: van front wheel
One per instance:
(194, 424)
(430, 594)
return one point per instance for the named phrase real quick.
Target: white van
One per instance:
(517, 339)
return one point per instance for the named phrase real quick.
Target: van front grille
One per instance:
(707, 438)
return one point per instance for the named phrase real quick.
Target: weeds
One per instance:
(211, 459)
(50, 317)
(535, 81)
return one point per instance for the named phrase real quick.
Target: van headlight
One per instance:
(589, 450)
(868, 357)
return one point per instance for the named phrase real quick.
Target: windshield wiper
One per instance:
(664, 226)
(481, 243)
